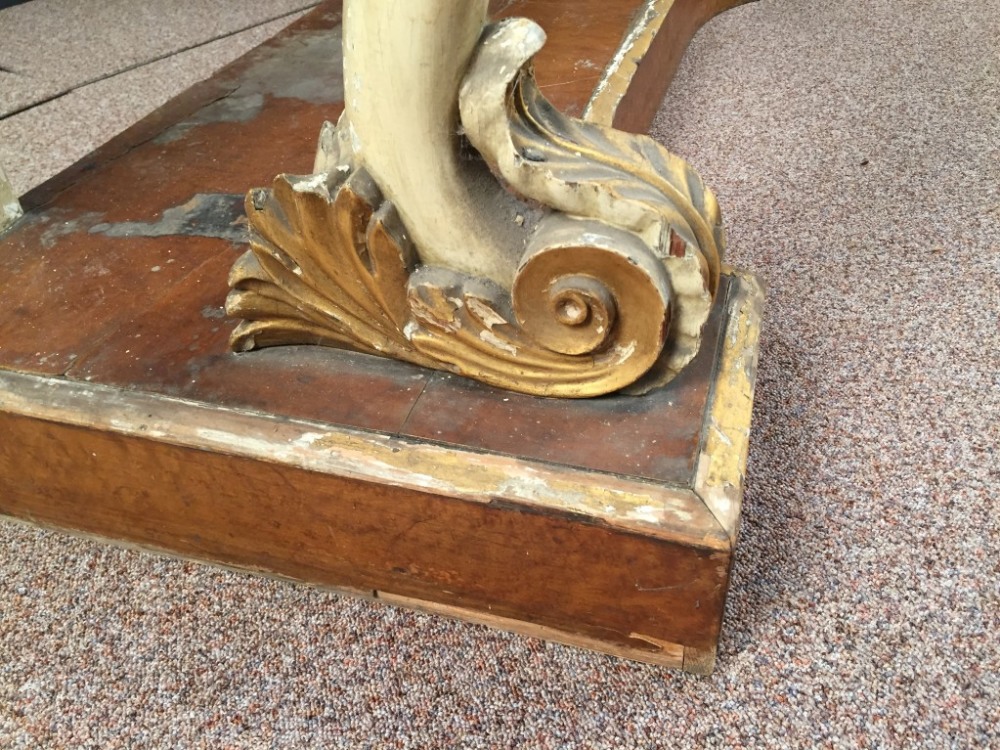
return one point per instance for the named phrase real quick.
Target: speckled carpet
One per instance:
(855, 147)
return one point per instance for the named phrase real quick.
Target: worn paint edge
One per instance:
(721, 467)
(629, 504)
(661, 653)
(10, 206)
(618, 74)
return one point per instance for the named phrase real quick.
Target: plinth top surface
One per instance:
(118, 273)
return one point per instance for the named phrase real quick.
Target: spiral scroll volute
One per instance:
(586, 288)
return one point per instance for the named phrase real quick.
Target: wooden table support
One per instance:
(606, 523)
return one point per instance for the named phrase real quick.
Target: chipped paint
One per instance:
(279, 72)
(62, 223)
(492, 339)
(311, 184)
(411, 329)
(618, 354)
(646, 513)
(218, 215)
(489, 317)
(231, 108)
(10, 206)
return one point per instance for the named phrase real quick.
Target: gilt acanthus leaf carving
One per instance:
(610, 280)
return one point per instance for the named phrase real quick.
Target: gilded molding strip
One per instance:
(617, 77)
(674, 513)
(721, 469)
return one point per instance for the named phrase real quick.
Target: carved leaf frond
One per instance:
(573, 166)
(588, 315)
(325, 266)
(612, 289)
(583, 169)
(472, 330)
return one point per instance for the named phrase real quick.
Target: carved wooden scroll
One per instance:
(456, 220)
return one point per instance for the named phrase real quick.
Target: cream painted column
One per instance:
(403, 65)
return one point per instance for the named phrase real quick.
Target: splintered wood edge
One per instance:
(670, 513)
(721, 468)
(672, 655)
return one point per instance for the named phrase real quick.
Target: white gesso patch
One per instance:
(12, 210)
(312, 184)
(647, 513)
(250, 446)
(720, 433)
(622, 353)
(485, 313)
(493, 340)
(536, 489)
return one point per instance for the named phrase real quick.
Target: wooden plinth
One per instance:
(609, 523)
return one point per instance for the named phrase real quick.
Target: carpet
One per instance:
(855, 150)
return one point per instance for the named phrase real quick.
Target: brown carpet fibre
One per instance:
(855, 148)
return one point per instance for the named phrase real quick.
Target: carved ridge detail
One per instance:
(611, 289)
(582, 169)
(325, 268)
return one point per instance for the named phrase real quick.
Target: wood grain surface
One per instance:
(554, 569)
